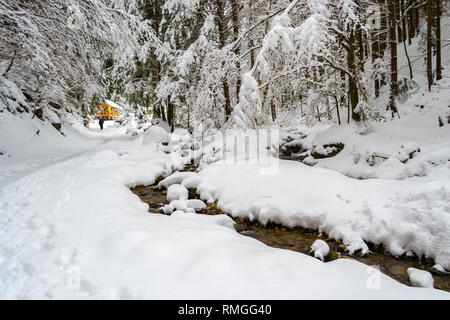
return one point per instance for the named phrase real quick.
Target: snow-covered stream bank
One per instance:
(298, 239)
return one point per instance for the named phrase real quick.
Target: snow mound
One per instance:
(192, 181)
(191, 206)
(420, 278)
(156, 134)
(406, 215)
(320, 249)
(175, 178)
(177, 192)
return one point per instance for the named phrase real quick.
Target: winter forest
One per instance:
(221, 63)
(156, 149)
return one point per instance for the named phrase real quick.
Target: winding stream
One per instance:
(300, 239)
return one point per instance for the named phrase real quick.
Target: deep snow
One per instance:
(71, 228)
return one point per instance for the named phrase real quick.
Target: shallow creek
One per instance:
(300, 239)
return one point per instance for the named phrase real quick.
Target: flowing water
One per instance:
(300, 240)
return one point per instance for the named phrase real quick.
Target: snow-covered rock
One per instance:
(196, 204)
(320, 249)
(176, 178)
(420, 278)
(156, 134)
(310, 161)
(192, 205)
(177, 192)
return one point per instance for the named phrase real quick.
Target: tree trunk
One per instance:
(438, 41)
(403, 32)
(154, 12)
(360, 48)
(411, 28)
(337, 108)
(163, 113)
(397, 18)
(417, 12)
(170, 114)
(375, 55)
(237, 52)
(220, 20)
(402, 12)
(352, 85)
(429, 44)
(274, 111)
(394, 71)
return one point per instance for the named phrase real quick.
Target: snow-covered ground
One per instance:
(72, 229)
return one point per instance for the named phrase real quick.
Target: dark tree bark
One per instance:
(220, 21)
(411, 28)
(438, 41)
(153, 12)
(376, 55)
(402, 12)
(337, 108)
(170, 114)
(429, 43)
(417, 14)
(237, 52)
(360, 48)
(394, 71)
(273, 110)
(352, 85)
(397, 8)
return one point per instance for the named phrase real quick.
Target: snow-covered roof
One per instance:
(113, 104)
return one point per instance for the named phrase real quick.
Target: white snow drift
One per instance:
(73, 229)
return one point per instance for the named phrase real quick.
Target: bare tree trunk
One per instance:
(375, 55)
(352, 85)
(394, 71)
(220, 20)
(154, 12)
(337, 108)
(170, 114)
(417, 13)
(438, 41)
(251, 44)
(403, 24)
(237, 52)
(403, 31)
(410, 26)
(429, 44)
(397, 18)
(274, 111)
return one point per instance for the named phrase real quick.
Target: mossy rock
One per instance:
(332, 256)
